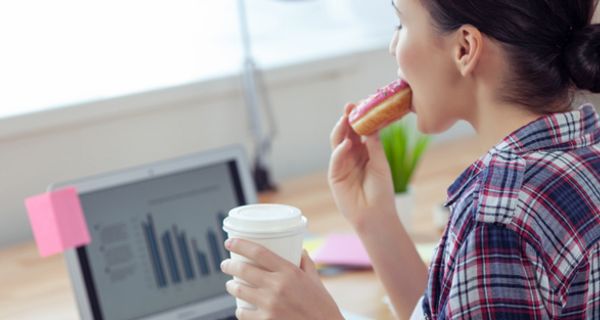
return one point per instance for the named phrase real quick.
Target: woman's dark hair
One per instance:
(552, 46)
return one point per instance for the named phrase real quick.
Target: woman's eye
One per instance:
(399, 27)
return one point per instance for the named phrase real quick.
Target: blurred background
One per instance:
(94, 86)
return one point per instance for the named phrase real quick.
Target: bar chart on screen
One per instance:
(177, 257)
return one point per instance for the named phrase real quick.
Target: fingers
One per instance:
(243, 291)
(338, 167)
(374, 146)
(339, 132)
(307, 265)
(351, 133)
(244, 271)
(342, 128)
(248, 314)
(348, 108)
(258, 254)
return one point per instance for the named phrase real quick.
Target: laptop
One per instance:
(157, 238)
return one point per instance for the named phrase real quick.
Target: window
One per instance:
(63, 52)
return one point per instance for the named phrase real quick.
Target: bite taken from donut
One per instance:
(387, 105)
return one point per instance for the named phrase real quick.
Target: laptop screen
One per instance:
(157, 243)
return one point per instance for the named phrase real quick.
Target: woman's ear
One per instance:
(468, 48)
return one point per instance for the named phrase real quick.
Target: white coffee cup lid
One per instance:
(264, 218)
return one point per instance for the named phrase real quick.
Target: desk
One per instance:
(35, 288)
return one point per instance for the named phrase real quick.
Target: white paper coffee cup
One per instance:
(279, 228)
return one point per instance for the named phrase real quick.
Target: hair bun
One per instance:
(583, 58)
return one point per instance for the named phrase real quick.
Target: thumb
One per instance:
(375, 148)
(307, 265)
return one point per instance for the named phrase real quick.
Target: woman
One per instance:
(522, 240)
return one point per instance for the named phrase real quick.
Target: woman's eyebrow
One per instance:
(396, 8)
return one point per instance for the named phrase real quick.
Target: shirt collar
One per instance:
(557, 131)
(464, 180)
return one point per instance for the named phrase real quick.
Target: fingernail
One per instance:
(228, 243)
(224, 263)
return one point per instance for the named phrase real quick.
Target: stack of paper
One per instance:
(346, 250)
(343, 250)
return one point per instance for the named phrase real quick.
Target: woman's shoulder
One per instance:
(549, 199)
(562, 180)
(543, 177)
(552, 193)
(550, 173)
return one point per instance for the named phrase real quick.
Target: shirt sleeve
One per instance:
(497, 276)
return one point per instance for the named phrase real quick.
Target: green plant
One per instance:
(403, 146)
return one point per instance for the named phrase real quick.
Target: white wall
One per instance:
(39, 149)
(64, 144)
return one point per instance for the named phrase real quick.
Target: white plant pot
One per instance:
(441, 215)
(404, 207)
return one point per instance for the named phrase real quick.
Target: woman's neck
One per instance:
(493, 122)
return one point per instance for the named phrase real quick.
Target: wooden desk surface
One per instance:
(36, 288)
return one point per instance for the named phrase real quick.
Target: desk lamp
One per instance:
(253, 97)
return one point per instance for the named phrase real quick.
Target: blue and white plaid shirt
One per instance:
(523, 237)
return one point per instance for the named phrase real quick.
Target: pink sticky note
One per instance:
(57, 221)
(343, 250)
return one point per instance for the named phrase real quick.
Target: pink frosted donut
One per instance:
(387, 105)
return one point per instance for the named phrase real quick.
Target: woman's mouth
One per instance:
(412, 106)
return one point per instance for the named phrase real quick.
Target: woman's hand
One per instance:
(359, 174)
(278, 288)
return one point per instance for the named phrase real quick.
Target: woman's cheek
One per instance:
(405, 59)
